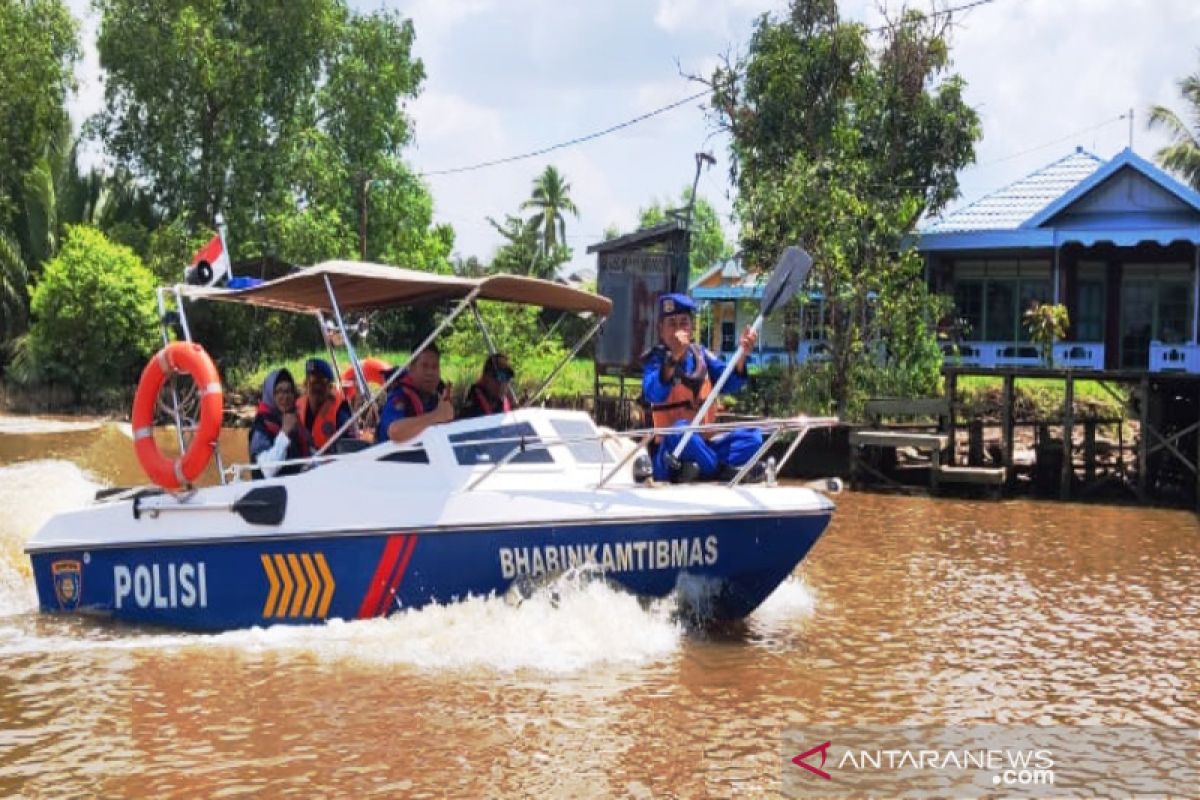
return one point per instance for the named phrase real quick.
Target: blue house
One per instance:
(1117, 242)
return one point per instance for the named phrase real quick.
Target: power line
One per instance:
(560, 145)
(943, 13)
(1059, 140)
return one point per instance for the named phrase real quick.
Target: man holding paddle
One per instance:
(677, 378)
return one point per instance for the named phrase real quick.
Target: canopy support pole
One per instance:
(382, 390)
(558, 367)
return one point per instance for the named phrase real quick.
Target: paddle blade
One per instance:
(786, 279)
(263, 506)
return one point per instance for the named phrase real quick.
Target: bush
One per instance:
(94, 315)
(516, 331)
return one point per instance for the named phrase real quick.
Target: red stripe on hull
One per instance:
(385, 602)
(376, 589)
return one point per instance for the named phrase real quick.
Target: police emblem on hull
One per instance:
(68, 582)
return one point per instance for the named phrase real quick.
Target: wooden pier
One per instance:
(1166, 406)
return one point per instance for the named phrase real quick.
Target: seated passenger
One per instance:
(276, 434)
(417, 400)
(322, 410)
(490, 394)
(677, 376)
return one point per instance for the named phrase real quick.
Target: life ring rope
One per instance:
(178, 358)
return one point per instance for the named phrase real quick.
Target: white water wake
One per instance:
(31, 493)
(14, 425)
(563, 628)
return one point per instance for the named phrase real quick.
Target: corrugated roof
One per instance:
(1008, 208)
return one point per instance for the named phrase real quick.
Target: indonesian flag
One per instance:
(210, 264)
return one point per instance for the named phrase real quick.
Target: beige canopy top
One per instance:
(360, 286)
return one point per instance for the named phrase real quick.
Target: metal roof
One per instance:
(644, 237)
(1078, 199)
(1011, 206)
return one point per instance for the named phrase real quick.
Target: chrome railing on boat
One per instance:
(641, 438)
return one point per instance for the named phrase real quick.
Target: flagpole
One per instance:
(220, 220)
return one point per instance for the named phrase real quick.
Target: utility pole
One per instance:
(1131, 129)
(701, 159)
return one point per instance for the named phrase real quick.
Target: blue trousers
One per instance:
(734, 449)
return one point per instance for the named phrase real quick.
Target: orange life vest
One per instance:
(325, 422)
(688, 393)
(486, 405)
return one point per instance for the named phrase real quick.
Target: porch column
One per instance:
(1196, 296)
(1057, 277)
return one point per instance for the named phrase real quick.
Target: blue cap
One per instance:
(318, 366)
(669, 304)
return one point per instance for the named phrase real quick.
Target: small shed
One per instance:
(632, 271)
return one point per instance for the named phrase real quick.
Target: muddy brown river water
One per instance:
(910, 611)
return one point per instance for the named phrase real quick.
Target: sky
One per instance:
(507, 77)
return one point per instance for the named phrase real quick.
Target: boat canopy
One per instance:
(360, 286)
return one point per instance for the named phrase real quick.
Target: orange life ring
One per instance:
(374, 370)
(176, 357)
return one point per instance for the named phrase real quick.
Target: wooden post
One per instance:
(1006, 421)
(935, 466)
(1144, 440)
(975, 442)
(952, 399)
(1068, 432)
(854, 456)
(1089, 451)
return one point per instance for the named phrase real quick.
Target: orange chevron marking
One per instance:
(281, 566)
(311, 573)
(273, 595)
(327, 577)
(300, 585)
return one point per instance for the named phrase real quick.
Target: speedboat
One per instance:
(471, 508)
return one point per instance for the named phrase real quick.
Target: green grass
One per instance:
(574, 379)
(1041, 398)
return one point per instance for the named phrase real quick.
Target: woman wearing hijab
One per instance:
(276, 434)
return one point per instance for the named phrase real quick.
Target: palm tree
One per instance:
(1183, 154)
(14, 298)
(551, 197)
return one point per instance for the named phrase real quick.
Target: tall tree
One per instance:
(1183, 154)
(841, 142)
(550, 199)
(202, 98)
(708, 238)
(523, 252)
(287, 118)
(37, 62)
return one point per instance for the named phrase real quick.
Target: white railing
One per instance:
(1079, 355)
(1074, 355)
(1174, 357)
(638, 439)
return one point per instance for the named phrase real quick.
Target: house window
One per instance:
(968, 299)
(1088, 324)
(992, 295)
(813, 319)
(1156, 305)
(728, 327)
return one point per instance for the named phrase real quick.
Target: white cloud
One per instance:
(716, 16)
(510, 77)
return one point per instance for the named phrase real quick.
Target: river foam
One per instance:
(31, 493)
(38, 425)
(562, 628)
